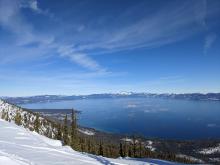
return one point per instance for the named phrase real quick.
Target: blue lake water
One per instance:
(150, 117)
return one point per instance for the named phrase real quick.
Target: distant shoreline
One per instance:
(55, 98)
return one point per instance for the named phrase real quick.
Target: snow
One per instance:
(210, 150)
(129, 140)
(125, 93)
(215, 159)
(11, 110)
(87, 132)
(190, 158)
(6, 160)
(19, 146)
(150, 145)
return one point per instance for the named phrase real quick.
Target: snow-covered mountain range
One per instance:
(51, 98)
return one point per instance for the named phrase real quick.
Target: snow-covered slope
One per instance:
(8, 112)
(19, 146)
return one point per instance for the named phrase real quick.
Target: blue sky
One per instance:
(95, 46)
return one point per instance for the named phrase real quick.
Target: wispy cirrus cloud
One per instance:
(172, 23)
(202, 15)
(12, 19)
(169, 24)
(34, 6)
(209, 40)
(78, 57)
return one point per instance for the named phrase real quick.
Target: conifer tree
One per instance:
(89, 145)
(37, 123)
(134, 146)
(82, 143)
(65, 132)
(18, 118)
(59, 132)
(74, 128)
(121, 150)
(140, 149)
(7, 117)
(125, 149)
(129, 151)
(25, 120)
(100, 148)
(3, 114)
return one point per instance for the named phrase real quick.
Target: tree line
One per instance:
(68, 133)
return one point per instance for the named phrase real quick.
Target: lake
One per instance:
(149, 117)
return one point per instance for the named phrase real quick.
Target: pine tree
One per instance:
(74, 129)
(3, 114)
(140, 149)
(7, 117)
(37, 123)
(82, 143)
(89, 145)
(18, 118)
(129, 151)
(100, 148)
(59, 132)
(125, 149)
(134, 146)
(121, 150)
(65, 132)
(25, 120)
